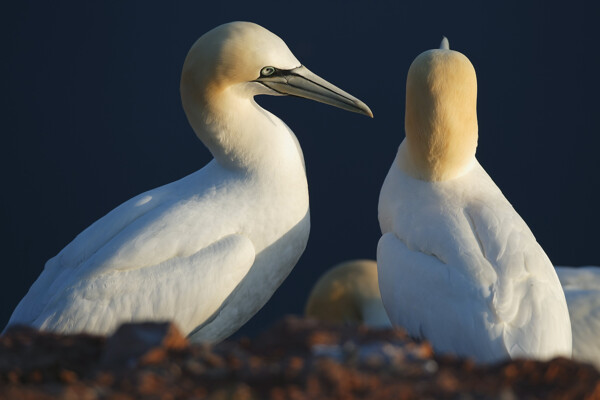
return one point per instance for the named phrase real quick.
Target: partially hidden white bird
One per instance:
(457, 264)
(209, 250)
(349, 293)
(582, 290)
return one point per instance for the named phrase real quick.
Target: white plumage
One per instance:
(582, 290)
(209, 250)
(457, 264)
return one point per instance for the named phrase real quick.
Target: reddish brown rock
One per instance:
(147, 341)
(295, 359)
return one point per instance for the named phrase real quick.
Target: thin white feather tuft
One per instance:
(445, 45)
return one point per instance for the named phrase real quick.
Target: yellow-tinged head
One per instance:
(233, 53)
(348, 292)
(441, 115)
(246, 56)
(225, 69)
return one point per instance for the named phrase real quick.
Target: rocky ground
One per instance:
(295, 359)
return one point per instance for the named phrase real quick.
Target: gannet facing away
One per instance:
(582, 290)
(457, 264)
(348, 292)
(209, 250)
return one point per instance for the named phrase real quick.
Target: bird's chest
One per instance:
(277, 209)
(262, 208)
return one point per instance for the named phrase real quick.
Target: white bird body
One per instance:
(156, 247)
(209, 250)
(582, 290)
(457, 264)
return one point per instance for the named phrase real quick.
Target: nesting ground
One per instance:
(294, 359)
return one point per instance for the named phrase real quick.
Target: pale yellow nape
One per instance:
(338, 296)
(441, 116)
(217, 90)
(230, 54)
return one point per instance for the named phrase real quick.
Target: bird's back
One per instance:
(465, 271)
(106, 245)
(582, 290)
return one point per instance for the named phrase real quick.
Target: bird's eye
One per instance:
(267, 71)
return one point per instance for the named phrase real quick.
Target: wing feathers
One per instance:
(432, 299)
(164, 291)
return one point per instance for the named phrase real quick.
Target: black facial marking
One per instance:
(276, 72)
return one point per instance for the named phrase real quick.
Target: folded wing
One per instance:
(187, 290)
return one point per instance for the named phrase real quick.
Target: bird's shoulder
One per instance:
(465, 222)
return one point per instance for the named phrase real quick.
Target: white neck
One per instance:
(238, 132)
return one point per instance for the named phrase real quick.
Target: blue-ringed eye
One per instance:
(267, 71)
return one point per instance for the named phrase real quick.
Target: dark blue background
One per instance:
(91, 116)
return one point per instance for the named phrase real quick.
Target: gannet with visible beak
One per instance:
(209, 250)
